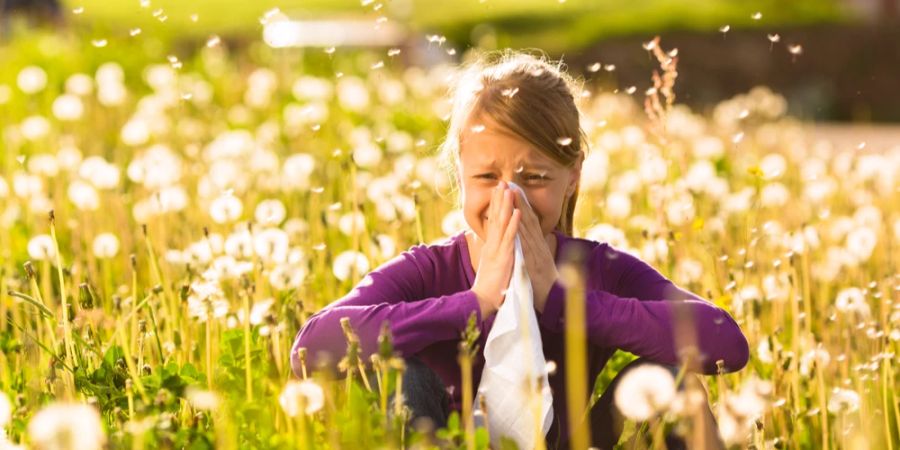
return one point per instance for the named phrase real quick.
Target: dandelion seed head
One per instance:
(773, 38)
(595, 67)
(304, 396)
(67, 425)
(41, 248)
(564, 140)
(645, 391)
(795, 49)
(756, 16)
(31, 79)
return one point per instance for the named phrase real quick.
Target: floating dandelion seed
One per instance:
(134, 32)
(145, 3)
(650, 91)
(744, 113)
(630, 90)
(380, 20)
(158, 12)
(756, 16)
(335, 206)
(738, 137)
(78, 10)
(187, 96)
(213, 41)
(366, 2)
(795, 50)
(773, 38)
(672, 53)
(649, 45)
(861, 146)
(330, 51)
(318, 190)
(520, 169)
(477, 128)
(451, 51)
(393, 52)
(509, 92)
(319, 247)
(378, 65)
(436, 38)
(595, 67)
(609, 67)
(99, 43)
(724, 29)
(564, 140)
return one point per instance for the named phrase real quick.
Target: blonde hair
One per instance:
(527, 95)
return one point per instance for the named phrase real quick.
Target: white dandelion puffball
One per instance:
(345, 261)
(106, 245)
(645, 391)
(271, 244)
(202, 398)
(296, 171)
(225, 208)
(297, 393)
(34, 127)
(453, 222)
(861, 243)
(618, 205)
(843, 401)
(352, 223)
(41, 248)
(270, 212)
(32, 79)
(83, 195)
(67, 107)
(852, 299)
(99, 172)
(353, 95)
(80, 84)
(67, 425)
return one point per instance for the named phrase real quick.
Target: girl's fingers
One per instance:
(505, 209)
(509, 237)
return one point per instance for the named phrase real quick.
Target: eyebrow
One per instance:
(527, 166)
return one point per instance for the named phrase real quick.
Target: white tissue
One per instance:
(514, 357)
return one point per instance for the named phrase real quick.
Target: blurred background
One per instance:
(833, 60)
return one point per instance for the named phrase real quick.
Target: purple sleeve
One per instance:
(636, 314)
(393, 293)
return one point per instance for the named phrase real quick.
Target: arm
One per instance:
(637, 314)
(388, 293)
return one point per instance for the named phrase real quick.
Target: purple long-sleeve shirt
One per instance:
(424, 293)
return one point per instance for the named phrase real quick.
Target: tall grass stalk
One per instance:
(67, 328)
(576, 352)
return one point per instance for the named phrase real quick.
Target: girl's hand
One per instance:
(538, 258)
(495, 263)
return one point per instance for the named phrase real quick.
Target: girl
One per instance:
(515, 119)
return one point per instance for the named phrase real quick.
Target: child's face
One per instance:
(491, 154)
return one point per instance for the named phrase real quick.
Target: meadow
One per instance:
(170, 218)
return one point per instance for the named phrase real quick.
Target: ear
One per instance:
(575, 174)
